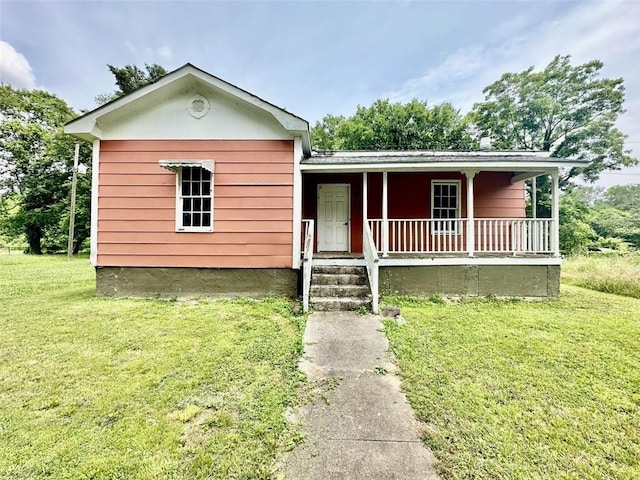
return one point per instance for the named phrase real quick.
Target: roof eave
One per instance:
(86, 126)
(548, 164)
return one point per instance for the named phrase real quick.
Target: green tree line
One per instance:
(594, 219)
(36, 162)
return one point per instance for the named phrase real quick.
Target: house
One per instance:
(202, 188)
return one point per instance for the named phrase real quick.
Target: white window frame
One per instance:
(177, 167)
(458, 185)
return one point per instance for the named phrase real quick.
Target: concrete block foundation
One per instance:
(196, 282)
(471, 280)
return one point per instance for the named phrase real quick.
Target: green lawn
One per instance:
(144, 389)
(519, 390)
(138, 389)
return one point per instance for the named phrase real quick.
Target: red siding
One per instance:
(253, 205)
(496, 196)
(409, 196)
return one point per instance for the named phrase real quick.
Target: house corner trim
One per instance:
(95, 175)
(297, 202)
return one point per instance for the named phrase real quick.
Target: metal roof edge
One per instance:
(428, 153)
(443, 166)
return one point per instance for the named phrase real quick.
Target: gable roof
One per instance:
(87, 126)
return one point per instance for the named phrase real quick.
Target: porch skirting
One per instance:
(196, 282)
(471, 280)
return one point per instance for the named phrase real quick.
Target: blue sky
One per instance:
(319, 57)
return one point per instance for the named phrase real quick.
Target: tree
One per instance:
(617, 214)
(129, 78)
(566, 110)
(576, 234)
(36, 159)
(396, 126)
(623, 197)
(324, 134)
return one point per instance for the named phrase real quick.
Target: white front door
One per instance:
(333, 218)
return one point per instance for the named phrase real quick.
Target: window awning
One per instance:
(175, 165)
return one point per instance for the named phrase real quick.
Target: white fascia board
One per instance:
(519, 177)
(177, 81)
(289, 121)
(86, 123)
(84, 129)
(440, 166)
(306, 141)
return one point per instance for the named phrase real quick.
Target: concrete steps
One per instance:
(339, 288)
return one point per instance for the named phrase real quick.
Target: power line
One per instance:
(621, 173)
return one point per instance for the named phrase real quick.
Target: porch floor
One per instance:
(337, 255)
(466, 255)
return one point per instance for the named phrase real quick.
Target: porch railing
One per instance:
(421, 235)
(518, 235)
(371, 259)
(307, 261)
(492, 235)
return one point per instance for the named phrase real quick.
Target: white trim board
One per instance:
(414, 262)
(297, 202)
(400, 262)
(95, 176)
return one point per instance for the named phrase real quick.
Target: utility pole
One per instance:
(72, 217)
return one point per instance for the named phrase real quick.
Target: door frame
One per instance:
(348, 185)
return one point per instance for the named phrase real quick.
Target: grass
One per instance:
(139, 389)
(619, 274)
(526, 390)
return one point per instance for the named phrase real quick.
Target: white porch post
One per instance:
(365, 200)
(534, 197)
(385, 215)
(470, 213)
(555, 212)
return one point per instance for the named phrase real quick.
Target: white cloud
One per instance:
(606, 31)
(14, 68)
(130, 47)
(460, 66)
(146, 53)
(165, 52)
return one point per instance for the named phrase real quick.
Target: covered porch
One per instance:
(410, 209)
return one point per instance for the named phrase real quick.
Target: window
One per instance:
(445, 203)
(194, 194)
(195, 199)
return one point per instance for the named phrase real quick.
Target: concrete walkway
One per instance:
(360, 425)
